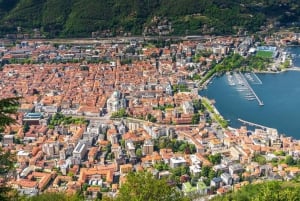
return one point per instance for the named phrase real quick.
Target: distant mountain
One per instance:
(79, 18)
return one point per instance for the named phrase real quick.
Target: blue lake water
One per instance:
(280, 94)
(295, 52)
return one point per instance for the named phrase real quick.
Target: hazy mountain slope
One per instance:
(81, 17)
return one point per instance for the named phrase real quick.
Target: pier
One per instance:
(293, 69)
(257, 78)
(260, 103)
(253, 124)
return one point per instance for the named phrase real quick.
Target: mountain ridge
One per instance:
(80, 18)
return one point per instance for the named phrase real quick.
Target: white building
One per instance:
(177, 161)
(235, 169)
(115, 102)
(80, 150)
(187, 107)
(226, 178)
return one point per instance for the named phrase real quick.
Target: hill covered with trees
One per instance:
(268, 190)
(142, 186)
(79, 18)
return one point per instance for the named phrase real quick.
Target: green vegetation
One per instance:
(60, 119)
(196, 118)
(161, 166)
(8, 107)
(215, 159)
(195, 77)
(217, 117)
(139, 153)
(180, 88)
(209, 74)
(78, 196)
(175, 145)
(289, 160)
(119, 114)
(286, 64)
(26, 127)
(208, 173)
(273, 191)
(280, 153)
(142, 186)
(237, 62)
(198, 105)
(265, 54)
(163, 107)
(79, 18)
(151, 118)
(55, 196)
(259, 159)
(221, 121)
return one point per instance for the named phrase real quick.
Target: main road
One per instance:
(106, 119)
(117, 40)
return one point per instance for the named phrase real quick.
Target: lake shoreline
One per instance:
(202, 90)
(230, 103)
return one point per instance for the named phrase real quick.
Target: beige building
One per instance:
(148, 147)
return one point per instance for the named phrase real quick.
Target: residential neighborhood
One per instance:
(92, 113)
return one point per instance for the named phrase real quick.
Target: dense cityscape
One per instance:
(91, 113)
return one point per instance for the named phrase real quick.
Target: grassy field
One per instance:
(265, 54)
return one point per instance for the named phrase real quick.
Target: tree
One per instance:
(142, 186)
(71, 174)
(122, 142)
(205, 171)
(197, 105)
(279, 153)
(26, 127)
(196, 118)
(192, 148)
(139, 152)
(85, 186)
(215, 159)
(119, 114)
(56, 196)
(7, 161)
(260, 159)
(182, 147)
(289, 160)
(8, 107)
(161, 166)
(211, 174)
(265, 191)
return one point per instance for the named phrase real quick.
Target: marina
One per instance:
(240, 82)
(279, 92)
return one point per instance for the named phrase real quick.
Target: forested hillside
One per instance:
(73, 18)
(265, 191)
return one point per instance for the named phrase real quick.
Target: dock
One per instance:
(257, 78)
(293, 69)
(260, 103)
(253, 124)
